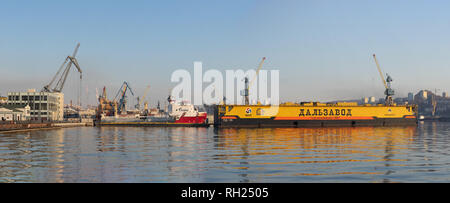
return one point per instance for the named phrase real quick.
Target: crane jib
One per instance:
(65, 72)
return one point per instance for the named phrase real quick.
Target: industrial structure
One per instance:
(115, 112)
(179, 114)
(138, 105)
(63, 76)
(316, 114)
(246, 91)
(118, 105)
(121, 97)
(48, 104)
(105, 106)
(389, 92)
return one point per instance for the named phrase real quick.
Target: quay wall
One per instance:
(11, 126)
(21, 126)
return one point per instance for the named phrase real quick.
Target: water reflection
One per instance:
(328, 148)
(326, 141)
(114, 154)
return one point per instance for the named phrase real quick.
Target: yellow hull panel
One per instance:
(322, 112)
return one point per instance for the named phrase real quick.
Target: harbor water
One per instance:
(153, 154)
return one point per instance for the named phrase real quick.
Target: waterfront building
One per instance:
(14, 112)
(43, 105)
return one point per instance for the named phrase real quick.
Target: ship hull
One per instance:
(261, 123)
(322, 115)
(184, 121)
(152, 124)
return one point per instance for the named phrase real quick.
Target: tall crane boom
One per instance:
(138, 105)
(387, 84)
(68, 63)
(246, 91)
(257, 71)
(145, 94)
(122, 99)
(379, 70)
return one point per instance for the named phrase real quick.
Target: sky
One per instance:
(323, 49)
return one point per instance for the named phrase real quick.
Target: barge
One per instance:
(314, 114)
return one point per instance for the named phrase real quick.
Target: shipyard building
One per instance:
(45, 106)
(14, 113)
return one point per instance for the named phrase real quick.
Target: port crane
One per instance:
(62, 79)
(246, 91)
(389, 92)
(138, 105)
(122, 99)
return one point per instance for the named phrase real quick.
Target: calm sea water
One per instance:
(129, 154)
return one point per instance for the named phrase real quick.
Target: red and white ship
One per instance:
(178, 114)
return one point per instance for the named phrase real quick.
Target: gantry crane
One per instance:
(122, 99)
(60, 84)
(246, 91)
(387, 84)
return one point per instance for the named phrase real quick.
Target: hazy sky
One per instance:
(323, 49)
